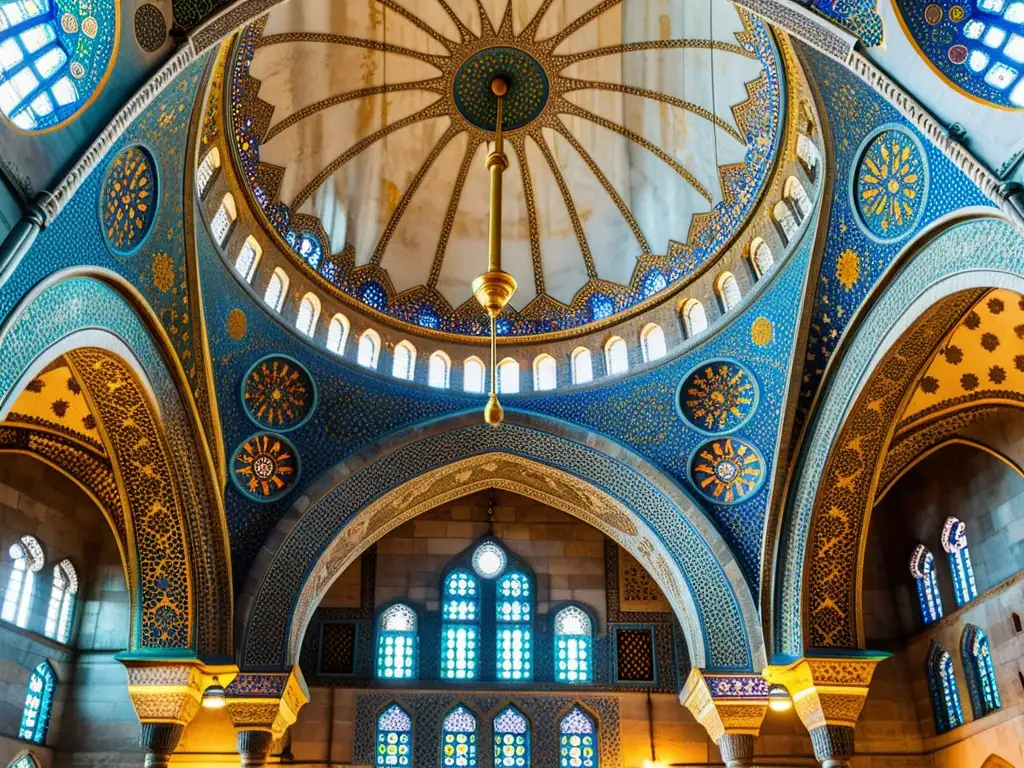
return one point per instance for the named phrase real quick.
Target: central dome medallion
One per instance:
(640, 136)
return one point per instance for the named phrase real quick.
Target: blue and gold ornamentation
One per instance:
(890, 183)
(718, 396)
(128, 202)
(727, 470)
(278, 393)
(528, 88)
(265, 467)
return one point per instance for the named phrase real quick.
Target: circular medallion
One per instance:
(129, 199)
(237, 324)
(889, 185)
(762, 332)
(265, 467)
(957, 54)
(956, 14)
(278, 393)
(718, 396)
(90, 27)
(150, 27)
(528, 88)
(69, 23)
(727, 470)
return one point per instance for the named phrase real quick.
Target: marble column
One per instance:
(159, 741)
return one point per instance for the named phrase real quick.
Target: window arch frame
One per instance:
(505, 629)
(954, 543)
(338, 321)
(439, 357)
(283, 282)
(230, 210)
(504, 380)
(557, 636)
(808, 154)
(922, 568)
(785, 220)
(408, 352)
(405, 639)
(372, 337)
(685, 312)
(649, 330)
(35, 715)
(206, 173)
(612, 360)
(20, 592)
(476, 361)
(565, 736)
(24, 759)
(472, 741)
(727, 289)
(309, 331)
(381, 761)
(542, 363)
(982, 686)
(795, 193)
(576, 366)
(946, 707)
(60, 612)
(759, 245)
(247, 269)
(527, 734)
(450, 627)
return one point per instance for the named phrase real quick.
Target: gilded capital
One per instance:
(168, 691)
(726, 703)
(266, 701)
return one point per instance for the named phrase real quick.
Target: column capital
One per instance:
(828, 687)
(266, 701)
(170, 691)
(726, 703)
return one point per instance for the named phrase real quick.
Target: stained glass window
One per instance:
(394, 738)
(35, 717)
(573, 646)
(981, 674)
(206, 170)
(728, 291)
(514, 632)
(369, 349)
(337, 333)
(61, 611)
(577, 740)
(439, 370)
(403, 365)
(473, 375)
(458, 736)
(582, 366)
(511, 739)
(945, 697)
(25, 761)
(397, 641)
(28, 560)
(652, 339)
(460, 628)
(922, 568)
(545, 373)
(616, 356)
(954, 541)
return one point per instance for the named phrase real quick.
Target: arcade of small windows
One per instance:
(487, 599)
(922, 568)
(942, 684)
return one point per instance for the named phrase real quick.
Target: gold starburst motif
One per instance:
(890, 184)
(848, 269)
(718, 396)
(762, 332)
(727, 470)
(163, 272)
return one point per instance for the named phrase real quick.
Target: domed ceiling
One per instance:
(640, 134)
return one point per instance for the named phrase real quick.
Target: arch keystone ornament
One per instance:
(829, 692)
(731, 707)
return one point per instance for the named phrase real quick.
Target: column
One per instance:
(166, 697)
(829, 690)
(159, 741)
(262, 707)
(254, 746)
(731, 707)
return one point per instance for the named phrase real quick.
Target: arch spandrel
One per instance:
(599, 482)
(835, 480)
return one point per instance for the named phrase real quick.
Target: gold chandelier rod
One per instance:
(494, 288)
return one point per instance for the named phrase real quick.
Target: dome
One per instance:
(639, 135)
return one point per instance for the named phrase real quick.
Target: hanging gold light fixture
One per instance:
(494, 288)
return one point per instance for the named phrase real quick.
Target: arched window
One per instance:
(36, 91)
(942, 683)
(403, 366)
(616, 356)
(922, 568)
(337, 333)
(761, 257)
(785, 219)
(981, 675)
(582, 366)
(439, 370)
(458, 739)
(369, 349)
(24, 761)
(797, 196)
(508, 376)
(728, 290)
(954, 541)
(514, 636)
(207, 169)
(511, 739)
(277, 288)
(577, 740)
(652, 342)
(61, 612)
(460, 628)
(309, 313)
(573, 646)
(28, 561)
(35, 717)
(473, 375)
(221, 223)
(397, 643)
(545, 372)
(248, 258)
(695, 319)
(808, 153)
(394, 738)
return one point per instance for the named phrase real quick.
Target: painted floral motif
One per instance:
(265, 467)
(890, 185)
(728, 470)
(129, 199)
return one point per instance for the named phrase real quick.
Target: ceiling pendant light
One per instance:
(494, 288)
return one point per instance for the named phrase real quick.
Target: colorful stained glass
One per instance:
(981, 675)
(945, 696)
(35, 717)
(397, 643)
(460, 633)
(573, 641)
(954, 541)
(394, 738)
(922, 568)
(577, 740)
(511, 739)
(514, 633)
(458, 736)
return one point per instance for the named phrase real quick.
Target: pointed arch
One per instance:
(574, 637)
(24, 760)
(582, 366)
(512, 739)
(942, 684)
(922, 568)
(369, 349)
(976, 654)
(954, 542)
(337, 333)
(545, 372)
(398, 643)
(459, 738)
(578, 742)
(308, 315)
(474, 375)
(394, 738)
(35, 716)
(513, 603)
